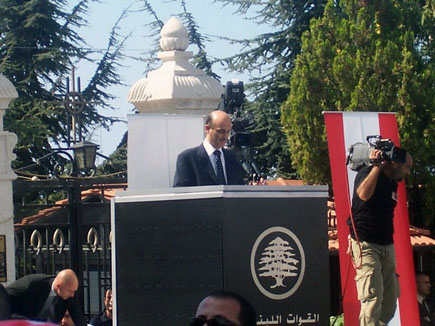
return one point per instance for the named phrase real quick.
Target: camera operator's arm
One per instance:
(367, 187)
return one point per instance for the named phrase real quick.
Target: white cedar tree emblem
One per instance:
(278, 262)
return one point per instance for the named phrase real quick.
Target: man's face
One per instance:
(67, 290)
(66, 320)
(226, 308)
(108, 300)
(423, 285)
(218, 131)
(402, 170)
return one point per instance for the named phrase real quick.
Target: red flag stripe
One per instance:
(337, 157)
(404, 258)
(344, 129)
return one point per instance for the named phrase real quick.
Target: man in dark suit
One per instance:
(209, 163)
(4, 303)
(46, 297)
(426, 306)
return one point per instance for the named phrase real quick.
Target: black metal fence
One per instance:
(45, 250)
(44, 237)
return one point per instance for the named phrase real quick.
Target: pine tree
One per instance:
(271, 56)
(117, 165)
(200, 59)
(365, 56)
(38, 45)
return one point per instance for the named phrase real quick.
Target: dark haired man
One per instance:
(209, 163)
(67, 320)
(105, 319)
(371, 229)
(224, 308)
(426, 306)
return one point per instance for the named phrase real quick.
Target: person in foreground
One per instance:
(66, 320)
(426, 306)
(209, 163)
(46, 297)
(105, 319)
(224, 308)
(4, 303)
(372, 248)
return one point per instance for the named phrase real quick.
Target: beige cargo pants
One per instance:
(376, 282)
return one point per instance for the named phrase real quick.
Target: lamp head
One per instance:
(85, 153)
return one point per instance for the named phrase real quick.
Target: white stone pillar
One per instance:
(172, 102)
(7, 144)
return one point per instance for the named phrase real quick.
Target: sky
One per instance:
(212, 18)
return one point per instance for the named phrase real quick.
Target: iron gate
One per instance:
(44, 237)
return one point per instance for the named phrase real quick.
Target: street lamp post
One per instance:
(75, 234)
(82, 160)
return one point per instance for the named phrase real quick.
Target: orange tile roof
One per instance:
(285, 182)
(419, 237)
(108, 194)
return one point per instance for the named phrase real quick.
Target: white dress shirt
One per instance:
(209, 148)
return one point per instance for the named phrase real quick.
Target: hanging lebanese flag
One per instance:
(343, 130)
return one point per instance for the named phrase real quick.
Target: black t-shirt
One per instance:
(374, 218)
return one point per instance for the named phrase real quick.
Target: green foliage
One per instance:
(271, 57)
(365, 56)
(38, 45)
(154, 27)
(117, 164)
(336, 320)
(266, 131)
(200, 59)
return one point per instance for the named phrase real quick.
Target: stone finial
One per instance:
(7, 94)
(174, 36)
(176, 86)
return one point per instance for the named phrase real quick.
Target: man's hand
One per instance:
(367, 187)
(260, 182)
(375, 157)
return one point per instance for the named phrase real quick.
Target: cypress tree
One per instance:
(366, 56)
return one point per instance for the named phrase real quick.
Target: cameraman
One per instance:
(372, 248)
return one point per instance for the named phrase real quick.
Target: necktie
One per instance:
(219, 168)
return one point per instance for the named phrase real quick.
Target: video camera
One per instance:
(359, 153)
(233, 96)
(232, 103)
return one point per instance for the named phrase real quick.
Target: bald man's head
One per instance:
(217, 128)
(66, 284)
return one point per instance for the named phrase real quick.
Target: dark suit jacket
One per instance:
(194, 169)
(4, 303)
(427, 317)
(28, 294)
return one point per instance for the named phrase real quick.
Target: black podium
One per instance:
(173, 246)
